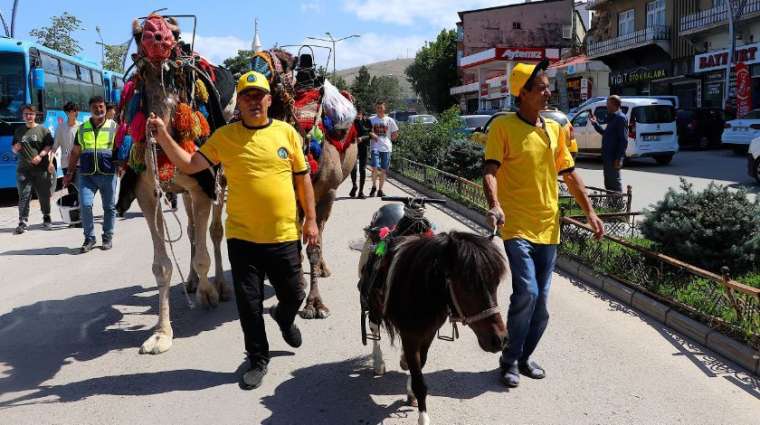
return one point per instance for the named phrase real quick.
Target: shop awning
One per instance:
(677, 79)
(576, 64)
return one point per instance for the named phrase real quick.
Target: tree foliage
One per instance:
(429, 144)
(386, 88)
(114, 56)
(710, 229)
(58, 35)
(434, 71)
(240, 63)
(361, 90)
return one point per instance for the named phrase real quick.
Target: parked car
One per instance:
(422, 119)
(652, 128)
(700, 127)
(738, 133)
(672, 99)
(753, 159)
(473, 123)
(401, 116)
(481, 134)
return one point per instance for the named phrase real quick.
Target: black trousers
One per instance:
(251, 262)
(363, 152)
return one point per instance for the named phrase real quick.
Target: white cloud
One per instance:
(440, 13)
(369, 48)
(310, 6)
(217, 49)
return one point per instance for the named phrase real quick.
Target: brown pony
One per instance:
(430, 279)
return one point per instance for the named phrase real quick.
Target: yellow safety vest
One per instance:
(97, 149)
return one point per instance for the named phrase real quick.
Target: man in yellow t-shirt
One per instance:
(524, 156)
(263, 160)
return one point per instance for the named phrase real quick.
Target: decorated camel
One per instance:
(176, 84)
(303, 99)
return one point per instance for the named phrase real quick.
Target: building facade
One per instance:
(675, 47)
(492, 40)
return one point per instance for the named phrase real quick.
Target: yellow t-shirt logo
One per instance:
(282, 153)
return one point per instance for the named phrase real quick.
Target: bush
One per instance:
(464, 158)
(710, 229)
(428, 144)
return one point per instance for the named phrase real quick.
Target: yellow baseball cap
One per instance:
(522, 73)
(252, 80)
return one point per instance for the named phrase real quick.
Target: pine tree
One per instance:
(362, 91)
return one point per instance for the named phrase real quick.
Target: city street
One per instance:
(651, 181)
(71, 327)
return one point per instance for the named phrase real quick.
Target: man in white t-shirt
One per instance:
(384, 133)
(65, 135)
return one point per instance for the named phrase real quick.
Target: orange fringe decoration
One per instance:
(188, 145)
(184, 120)
(205, 128)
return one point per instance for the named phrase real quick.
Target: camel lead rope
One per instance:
(159, 210)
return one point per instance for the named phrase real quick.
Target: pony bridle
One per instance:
(458, 315)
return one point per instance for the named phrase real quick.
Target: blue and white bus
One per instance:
(32, 73)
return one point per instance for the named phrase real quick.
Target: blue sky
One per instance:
(389, 29)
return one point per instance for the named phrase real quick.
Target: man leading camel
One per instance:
(262, 159)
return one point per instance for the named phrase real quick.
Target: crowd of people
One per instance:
(268, 180)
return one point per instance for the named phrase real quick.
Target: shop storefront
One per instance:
(638, 81)
(576, 79)
(710, 67)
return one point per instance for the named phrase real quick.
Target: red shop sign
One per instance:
(484, 89)
(743, 90)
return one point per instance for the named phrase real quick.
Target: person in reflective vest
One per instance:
(93, 148)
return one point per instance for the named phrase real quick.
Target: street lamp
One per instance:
(333, 40)
(102, 47)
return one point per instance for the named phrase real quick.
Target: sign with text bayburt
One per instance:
(718, 59)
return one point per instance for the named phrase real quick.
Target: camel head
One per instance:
(156, 37)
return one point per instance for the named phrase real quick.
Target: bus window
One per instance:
(51, 65)
(69, 69)
(54, 98)
(12, 86)
(97, 78)
(85, 75)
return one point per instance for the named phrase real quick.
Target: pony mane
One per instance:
(418, 290)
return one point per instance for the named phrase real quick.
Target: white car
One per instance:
(740, 132)
(422, 119)
(651, 128)
(753, 159)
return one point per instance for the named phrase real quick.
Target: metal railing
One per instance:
(714, 16)
(627, 41)
(720, 302)
(450, 185)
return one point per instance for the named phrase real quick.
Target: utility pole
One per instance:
(333, 41)
(734, 12)
(102, 47)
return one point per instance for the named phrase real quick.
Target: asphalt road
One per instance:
(651, 181)
(71, 327)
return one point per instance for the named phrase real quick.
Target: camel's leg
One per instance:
(378, 364)
(324, 208)
(415, 352)
(206, 294)
(217, 233)
(161, 340)
(192, 276)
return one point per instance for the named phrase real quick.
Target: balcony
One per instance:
(651, 35)
(715, 17)
(593, 4)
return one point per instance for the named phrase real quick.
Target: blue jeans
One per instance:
(531, 266)
(88, 187)
(381, 160)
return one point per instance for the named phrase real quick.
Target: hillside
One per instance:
(393, 67)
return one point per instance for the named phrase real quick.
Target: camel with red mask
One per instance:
(185, 90)
(297, 98)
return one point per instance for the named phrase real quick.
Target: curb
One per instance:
(729, 348)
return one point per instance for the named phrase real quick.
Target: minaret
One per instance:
(256, 45)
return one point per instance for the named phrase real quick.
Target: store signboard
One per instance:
(718, 59)
(639, 75)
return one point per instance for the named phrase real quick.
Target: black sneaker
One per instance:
(89, 244)
(372, 191)
(380, 193)
(252, 379)
(510, 374)
(107, 244)
(47, 224)
(21, 228)
(292, 335)
(352, 193)
(361, 195)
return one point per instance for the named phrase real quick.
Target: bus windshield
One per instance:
(12, 86)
